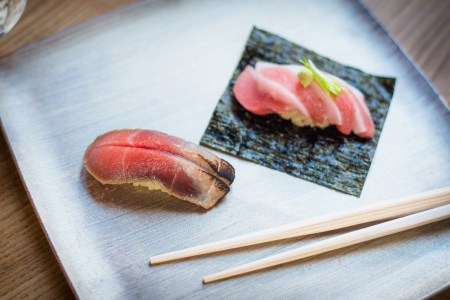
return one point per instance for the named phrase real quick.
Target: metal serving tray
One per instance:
(163, 65)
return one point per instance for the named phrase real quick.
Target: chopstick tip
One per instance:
(152, 261)
(214, 277)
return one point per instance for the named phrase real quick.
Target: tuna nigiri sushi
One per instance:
(305, 95)
(269, 84)
(159, 161)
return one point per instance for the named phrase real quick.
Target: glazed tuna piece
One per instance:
(159, 161)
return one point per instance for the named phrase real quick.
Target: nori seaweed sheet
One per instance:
(323, 156)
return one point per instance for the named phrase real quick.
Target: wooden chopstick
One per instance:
(341, 241)
(379, 211)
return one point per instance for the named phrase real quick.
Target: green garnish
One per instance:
(305, 76)
(331, 87)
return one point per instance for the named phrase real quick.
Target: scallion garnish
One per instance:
(331, 87)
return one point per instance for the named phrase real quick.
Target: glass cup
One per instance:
(10, 12)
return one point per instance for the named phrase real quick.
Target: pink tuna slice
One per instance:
(363, 125)
(280, 84)
(334, 113)
(251, 99)
(284, 84)
(365, 111)
(345, 105)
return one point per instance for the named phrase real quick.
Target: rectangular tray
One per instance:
(163, 65)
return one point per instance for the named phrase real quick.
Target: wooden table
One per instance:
(28, 268)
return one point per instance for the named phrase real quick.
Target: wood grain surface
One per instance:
(28, 268)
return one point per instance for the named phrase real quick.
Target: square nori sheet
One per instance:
(323, 156)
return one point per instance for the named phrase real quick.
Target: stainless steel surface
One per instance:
(163, 66)
(10, 13)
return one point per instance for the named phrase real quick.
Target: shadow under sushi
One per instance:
(137, 198)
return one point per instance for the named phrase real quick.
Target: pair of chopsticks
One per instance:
(435, 206)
